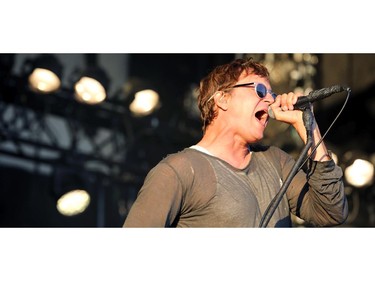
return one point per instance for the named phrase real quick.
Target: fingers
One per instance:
(283, 108)
(288, 100)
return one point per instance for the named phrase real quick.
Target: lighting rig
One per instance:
(91, 142)
(76, 135)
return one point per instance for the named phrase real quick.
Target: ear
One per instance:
(221, 100)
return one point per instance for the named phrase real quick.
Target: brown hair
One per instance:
(221, 78)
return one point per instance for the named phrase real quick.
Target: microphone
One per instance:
(313, 96)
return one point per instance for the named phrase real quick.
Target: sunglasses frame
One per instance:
(255, 85)
(250, 84)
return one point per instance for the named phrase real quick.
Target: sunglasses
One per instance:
(260, 89)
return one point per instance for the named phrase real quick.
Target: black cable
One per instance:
(348, 91)
(276, 200)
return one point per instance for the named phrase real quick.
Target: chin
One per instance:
(259, 138)
(255, 139)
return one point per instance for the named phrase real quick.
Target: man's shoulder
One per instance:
(184, 155)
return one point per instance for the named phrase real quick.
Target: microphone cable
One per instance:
(348, 91)
(271, 207)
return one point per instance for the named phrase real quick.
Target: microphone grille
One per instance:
(270, 113)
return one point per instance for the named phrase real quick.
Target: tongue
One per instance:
(260, 114)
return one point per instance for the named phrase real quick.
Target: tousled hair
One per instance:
(221, 78)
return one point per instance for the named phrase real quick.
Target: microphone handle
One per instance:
(325, 92)
(303, 101)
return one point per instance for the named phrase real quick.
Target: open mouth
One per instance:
(262, 116)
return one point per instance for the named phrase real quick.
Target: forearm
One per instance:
(321, 153)
(325, 203)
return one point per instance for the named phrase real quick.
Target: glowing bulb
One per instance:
(360, 173)
(73, 202)
(89, 90)
(44, 81)
(145, 102)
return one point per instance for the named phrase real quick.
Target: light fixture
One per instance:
(70, 192)
(92, 85)
(73, 202)
(44, 74)
(144, 102)
(141, 97)
(360, 173)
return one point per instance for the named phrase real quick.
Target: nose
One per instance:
(270, 97)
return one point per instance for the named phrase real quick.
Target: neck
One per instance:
(226, 147)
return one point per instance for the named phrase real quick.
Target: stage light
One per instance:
(70, 191)
(144, 102)
(360, 173)
(73, 202)
(141, 97)
(44, 74)
(92, 86)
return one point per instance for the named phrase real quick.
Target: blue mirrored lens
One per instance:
(261, 90)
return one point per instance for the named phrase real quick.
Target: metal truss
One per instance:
(56, 130)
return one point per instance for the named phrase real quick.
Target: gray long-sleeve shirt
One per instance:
(193, 189)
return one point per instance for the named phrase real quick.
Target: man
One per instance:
(226, 180)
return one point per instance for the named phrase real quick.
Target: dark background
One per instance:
(35, 144)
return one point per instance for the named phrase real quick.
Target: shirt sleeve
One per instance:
(158, 201)
(318, 196)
